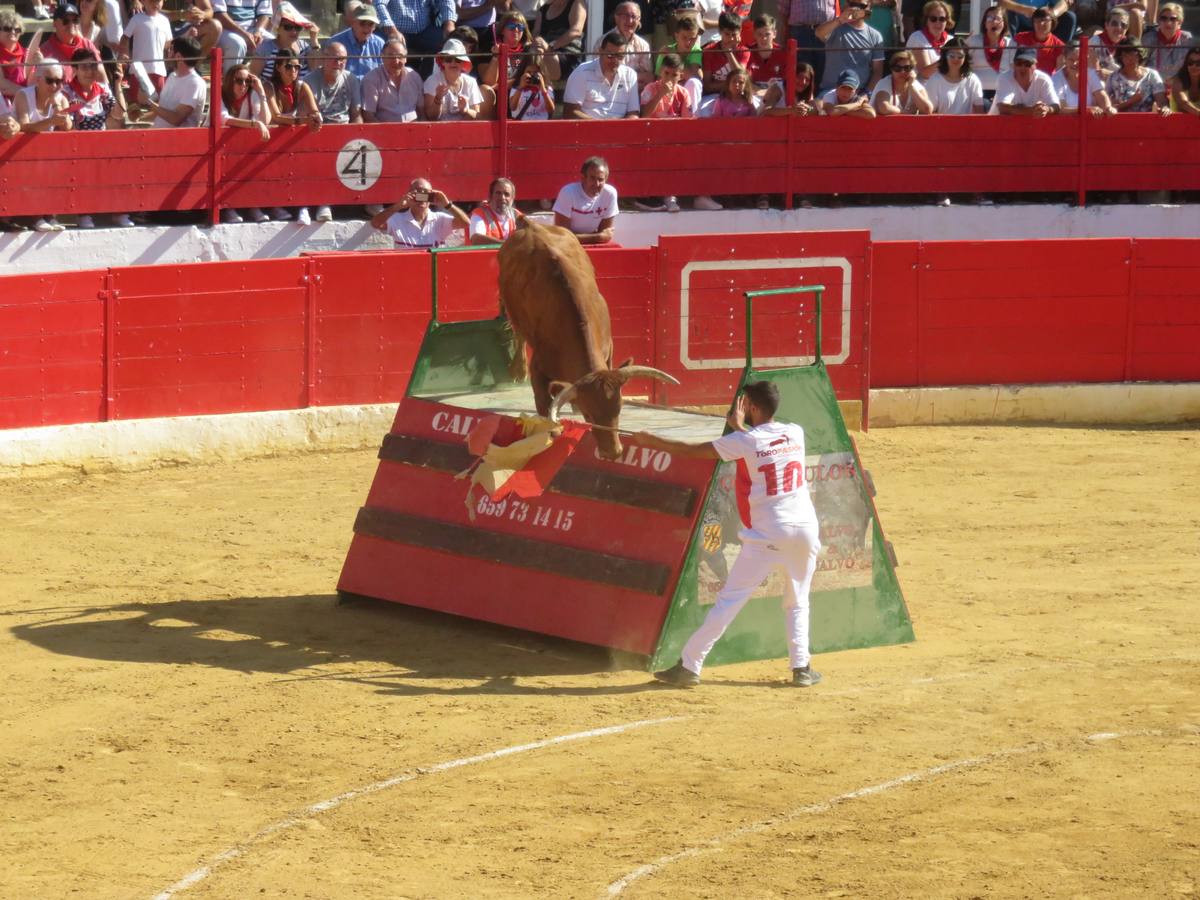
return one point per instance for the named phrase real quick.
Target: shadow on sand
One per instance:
(287, 636)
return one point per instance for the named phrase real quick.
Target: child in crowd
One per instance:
(530, 99)
(845, 100)
(145, 40)
(666, 98)
(450, 93)
(737, 99)
(768, 60)
(721, 58)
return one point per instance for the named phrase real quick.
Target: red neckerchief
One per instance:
(936, 43)
(1109, 45)
(287, 92)
(90, 94)
(1163, 42)
(995, 57)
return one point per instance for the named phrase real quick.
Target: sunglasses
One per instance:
(1120, 22)
(53, 80)
(241, 81)
(956, 54)
(902, 68)
(515, 26)
(1194, 63)
(11, 29)
(1023, 63)
(293, 66)
(69, 20)
(289, 26)
(935, 18)
(1168, 18)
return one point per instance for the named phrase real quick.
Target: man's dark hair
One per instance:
(728, 21)
(764, 21)
(468, 35)
(189, 49)
(83, 54)
(614, 38)
(764, 395)
(593, 162)
(671, 60)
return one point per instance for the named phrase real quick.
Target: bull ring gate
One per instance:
(627, 554)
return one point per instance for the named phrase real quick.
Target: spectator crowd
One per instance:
(108, 65)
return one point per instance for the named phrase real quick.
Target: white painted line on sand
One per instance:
(714, 844)
(197, 875)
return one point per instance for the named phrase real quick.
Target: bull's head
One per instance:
(597, 396)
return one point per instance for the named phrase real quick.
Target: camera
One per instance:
(421, 196)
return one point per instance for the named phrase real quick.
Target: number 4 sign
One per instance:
(359, 164)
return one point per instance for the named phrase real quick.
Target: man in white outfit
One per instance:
(779, 527)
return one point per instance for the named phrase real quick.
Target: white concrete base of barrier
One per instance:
(1058, 404)
(145, 443)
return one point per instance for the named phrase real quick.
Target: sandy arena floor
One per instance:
(180, 693)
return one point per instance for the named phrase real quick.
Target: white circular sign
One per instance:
(359, 164)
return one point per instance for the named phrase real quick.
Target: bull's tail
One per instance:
(518, 366)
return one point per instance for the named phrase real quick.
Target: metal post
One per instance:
(214, 130)
(502, 108)
(1084, 96)
(789, 90)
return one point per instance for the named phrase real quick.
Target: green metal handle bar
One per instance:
(433, 294)
(818, 289)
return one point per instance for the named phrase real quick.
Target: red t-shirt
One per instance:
(12, 63)
(1049, 50)
(763, 70)
(715, 62)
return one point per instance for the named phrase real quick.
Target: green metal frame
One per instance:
(843, 618)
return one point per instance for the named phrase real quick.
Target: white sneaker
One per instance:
(257, 216)
(122, 220)
(86, 222)
(945, 201)
(706, 202)
(302, 217)
(231, 217)
(648, 205)
(324, 214)
(279, 214)
(374, 209)
(671, 204)
(47, 225)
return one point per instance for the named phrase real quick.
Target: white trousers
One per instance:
(795, 553)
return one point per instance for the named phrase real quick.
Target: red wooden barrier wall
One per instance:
(1023, 312)
(331, 329)
(126, 171)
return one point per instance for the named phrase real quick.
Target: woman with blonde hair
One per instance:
(1168, 44)
(937, 27)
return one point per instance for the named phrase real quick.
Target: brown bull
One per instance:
(548, 290)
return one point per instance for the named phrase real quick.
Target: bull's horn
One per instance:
(565, 396)
(628, 372)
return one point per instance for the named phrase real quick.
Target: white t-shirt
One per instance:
(1008, 91)
(954, 98)
(587, 88)
(884, 86)
(586, 213)
(409, 235)
(1068, 98)
(980, 65)
(467, 87)
(770, 488)
(148, 37)
(531, 105)
(923, 51)
(188, 90)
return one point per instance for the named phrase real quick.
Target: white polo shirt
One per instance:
(586, 213)
(409, 235)
(587, 88)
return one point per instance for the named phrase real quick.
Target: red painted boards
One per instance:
(595, 559)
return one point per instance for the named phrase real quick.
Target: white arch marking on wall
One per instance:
(741, 265)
